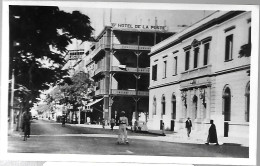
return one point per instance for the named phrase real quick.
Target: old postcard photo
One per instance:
(124, 82)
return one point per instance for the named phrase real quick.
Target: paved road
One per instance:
(50, 137)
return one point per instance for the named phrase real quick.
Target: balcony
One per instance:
(131, 47)
(129, 93)
(99, 70)
(130, 70)
(198, 72)
(99, 92)
(99, 47)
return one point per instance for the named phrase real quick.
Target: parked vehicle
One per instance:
(35, 117)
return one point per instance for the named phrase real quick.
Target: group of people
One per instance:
(212, 134)
(123, 123)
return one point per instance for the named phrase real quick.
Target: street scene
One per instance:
(50, 137)
(139, 82)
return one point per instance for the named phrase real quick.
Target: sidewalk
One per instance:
(179, 137)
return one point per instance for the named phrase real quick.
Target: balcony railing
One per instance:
(202, 71)
(100, 69)
(99, 47)
(129, 92)
(130, 69)
(131, 47)
(100, 92)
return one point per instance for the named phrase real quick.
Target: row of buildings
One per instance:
(157, 76)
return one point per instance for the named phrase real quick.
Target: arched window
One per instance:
(247, 95)
(195, 106)
(226, 103)
(163, 105)
(173, 106)
(154, 105)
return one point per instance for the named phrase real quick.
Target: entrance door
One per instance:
(227, 110)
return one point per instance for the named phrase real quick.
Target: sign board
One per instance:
(140, 27)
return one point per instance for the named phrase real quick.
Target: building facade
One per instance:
(203, 72)
(121, 62)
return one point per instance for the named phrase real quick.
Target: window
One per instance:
(154, 105)
(187, 60)
(163, 105)
(247, 95)
(175, 65)
(249, 35)
(173, 107)
(196, 57)
(154, 72)
(164, 69)
(227, 103)
(206, 54)
(229, 47)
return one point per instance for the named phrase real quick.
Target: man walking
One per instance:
(188, 126)
(123, 123)
(26, 117)
(112, 123)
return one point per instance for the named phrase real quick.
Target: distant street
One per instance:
(51, 137)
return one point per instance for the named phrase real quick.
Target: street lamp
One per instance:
(137, 77)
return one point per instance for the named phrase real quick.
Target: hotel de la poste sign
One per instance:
(139, 27)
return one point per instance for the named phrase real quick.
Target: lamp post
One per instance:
(137, 77)
(12, 104)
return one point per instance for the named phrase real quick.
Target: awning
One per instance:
(94, 102)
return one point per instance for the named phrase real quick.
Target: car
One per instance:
(35, 117)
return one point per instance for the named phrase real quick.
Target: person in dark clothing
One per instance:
(188, 126)
(63, 119)
(26, 122)
(212, 136)
(112, 123)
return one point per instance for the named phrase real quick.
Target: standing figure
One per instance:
(188, 126)
(112, 123)
(163, 129)
(63, 119)
(26, 122)
(123, 123)
(212, 136)
(103, 123)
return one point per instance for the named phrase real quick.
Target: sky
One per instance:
(100, 17)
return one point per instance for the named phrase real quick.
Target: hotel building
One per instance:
(121, 68)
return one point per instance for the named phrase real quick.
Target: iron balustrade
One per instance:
(128, 92)
(131, 47)
(130, 69)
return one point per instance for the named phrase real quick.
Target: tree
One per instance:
(39, 36)
(75, 91)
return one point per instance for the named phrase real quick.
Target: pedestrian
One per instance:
(26, 123)
(103, 123)
(63, 119)
(112, 123)
(123, 123)
(188, 126)
(212, 136)
(163, 129)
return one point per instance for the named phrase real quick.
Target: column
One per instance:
(198, 105)
(208, 101)
(188, 100)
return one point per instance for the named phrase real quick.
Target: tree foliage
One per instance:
(41, 34)
(72, 90)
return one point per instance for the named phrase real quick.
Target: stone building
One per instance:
(203, 72)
